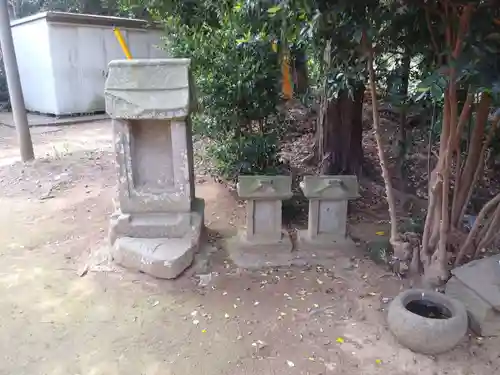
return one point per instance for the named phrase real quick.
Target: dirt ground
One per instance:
(65, 309)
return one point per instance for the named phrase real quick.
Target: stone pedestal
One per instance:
(263, 241)
(328, 196)
(157, 224)
(477, 286)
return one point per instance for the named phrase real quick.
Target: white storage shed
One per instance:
(63, 57)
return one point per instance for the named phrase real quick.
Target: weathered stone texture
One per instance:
(264, 195)
(157, 225)
(477, 286)
(263, 236)
(327, 221)
(160, 256)
(156, 88)
(153, 165)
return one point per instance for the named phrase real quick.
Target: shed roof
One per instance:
(87, 19)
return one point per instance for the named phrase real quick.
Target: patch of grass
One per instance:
(380, 251)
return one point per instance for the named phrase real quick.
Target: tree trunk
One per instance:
(342, 134)
(403, 94)
(473, 163)
(402, 249)
(300, 75)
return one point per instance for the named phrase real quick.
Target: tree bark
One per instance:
(470, 171)
(300, 75)
(342, 129)
(475, 229)
(403, 93)
(401, 249)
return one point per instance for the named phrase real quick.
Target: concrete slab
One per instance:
(483, 276)
(477, 286)
(483, 318)
(35, 120)
(252, 256)
(326, 242)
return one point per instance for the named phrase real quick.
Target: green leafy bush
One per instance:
(237, 80)
(251, 153)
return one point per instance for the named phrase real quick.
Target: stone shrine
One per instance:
(327, 222)
(263, 238)
(158, 221)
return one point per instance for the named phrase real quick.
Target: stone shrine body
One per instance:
(158, 221)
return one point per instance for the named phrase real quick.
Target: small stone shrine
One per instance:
(263, 236)
(327, 222)
(158, 221)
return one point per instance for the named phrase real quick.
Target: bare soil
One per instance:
(66, 309)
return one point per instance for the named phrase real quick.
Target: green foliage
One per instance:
(477, 66)
(237, 76)
(237, 73)
(380, 251)
(249, 154)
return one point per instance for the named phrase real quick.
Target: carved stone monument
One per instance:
(157, 224)
(263, 238)
(328, 196)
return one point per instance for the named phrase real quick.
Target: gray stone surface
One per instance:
(165, 258)
(483, 276)
(154, 225)
(157, 224)
(155, 88)
(265, 187)
(154, 168)
(318, 243)
(422, 334)
(263, 237)
(327, 221)
(254, 256)
(264, 195)
(477, 286)
(162, 250)
(484, 319)
(330, 187)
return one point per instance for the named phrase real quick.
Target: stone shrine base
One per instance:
(254, 255)
(323, 242)
(166, 247)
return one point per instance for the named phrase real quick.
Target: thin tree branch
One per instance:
(482, 214)
(462, 29)
(429, 27)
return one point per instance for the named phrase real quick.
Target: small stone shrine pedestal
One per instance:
(477, 286)
(157, 224)
(328, 196)
(263, 240)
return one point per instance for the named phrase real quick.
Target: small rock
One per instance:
(204, 279)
